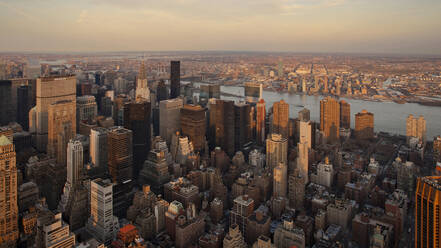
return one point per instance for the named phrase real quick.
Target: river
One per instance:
(388, 116)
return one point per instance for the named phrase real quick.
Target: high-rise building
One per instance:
(276, 151)
(102, 224)
(437, 148)
(330, 119)
(260, 122)
(296, 193)
(234, 238)
(345, 114)
(242, 209)
(242, 125)
(61, 121)
(49, 91)
(73, 203)
(56, 233)
(416, 128)
(306, 133)
(193, 125)
(23, 105)
(325, 174)
(280, 180)
(161, 91)
(98, 147)
(6, 111)
(287, 235)
(170, 117)
(120, 154)
(364, 125)
(221, 128)
(175, 79)
(303, 159)
(304, 115)
(8, 194)
(427, 216)
(137, 119)
(142, 88)
(86, 109)
(281, 118)
(209, 91)
(155, 171)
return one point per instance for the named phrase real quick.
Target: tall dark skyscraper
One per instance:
(242, 125)
(161, 91)
(120, 154)
(5, 102)
(221, 128)
(137, 119)
(345, 114)
(23, 105)
(193, 125)
(175, 79)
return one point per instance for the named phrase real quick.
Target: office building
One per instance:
(86, 109)
(189, 228)
(325, 174)
(345, 114)
(364, 125)
(98, 147)
(287, 235)
(6, 108)
(303, 159)
(61, 121)
(161, 91)
(24, 104)
(209, 91)
(120, 154)
(280, 118)
(242, 125)
(242, 209)
(142, 89)
(175, 79)
(258, 225)
(340, 212)
(56, 233)
(304, 115)
(137, 119)
(280, 180)
(416, 128)
(306, 133)
(221, 128)
(276, 150)
(73, 203)
(102, 224)
(260, 122)
(50, 90)
(330, 119)
(193, 125)
(170, 117)
(296, 191)
(9, 232)
(234, 238)
(155, 171)
(427, 219)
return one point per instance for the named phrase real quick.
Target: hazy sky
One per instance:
(370, 26)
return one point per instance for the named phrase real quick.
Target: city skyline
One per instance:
(323, 26)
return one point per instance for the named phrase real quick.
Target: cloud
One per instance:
(290, 7)
(19, 11)
(82, 18)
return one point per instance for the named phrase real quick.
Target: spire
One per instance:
(142, 72)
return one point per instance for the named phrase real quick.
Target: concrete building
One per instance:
(98, 147)
(102, 224)
(234, 238)
(325, 174)
(340, 212)
(330, 119)
(304, 115)
(50, 90)
(276, 150)
(155, 171)
(287, 235)
(416, 128)
(242, 209)
(9, 232)
(256, 159)
(193, 125)
(296, 192)
(258, 225)
(142, 89)
(242, 125)
(260, 122)
(183, 191)
(86, 109)
(56, 234)
(364, 125)
(221, 128)
(280, 118)
(306, 133)
(61, 128)
(188, 229)
(280, 180)
(345, 114)
(170, 117)
(303, 159)
(120, 154)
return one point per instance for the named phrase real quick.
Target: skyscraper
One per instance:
(242, 125)
(221, 129)
(345, 114)
(303, 159)
(242, 209)
(49, 91)
(137, 119)
(281, 118)
(86, 109)
(6, 111)
(306, 133)
(56, 233)
(175, 79)
(416, 128)
(280, 180)
(170, 117)
(260, 122)
(193, 125)
(98, 146)
(61, 128)
(304, 114)
(102, 224)
(142, 88)
(161, 91)
(330, 119)
(276, 151)
(120, 154)
(8, 194)
(427, 216)
(364, 125)
(23, 105)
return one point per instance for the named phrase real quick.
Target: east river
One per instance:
(389, 116)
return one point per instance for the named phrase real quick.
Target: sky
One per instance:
(349, 26)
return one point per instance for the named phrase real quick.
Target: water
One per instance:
(388, 116)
